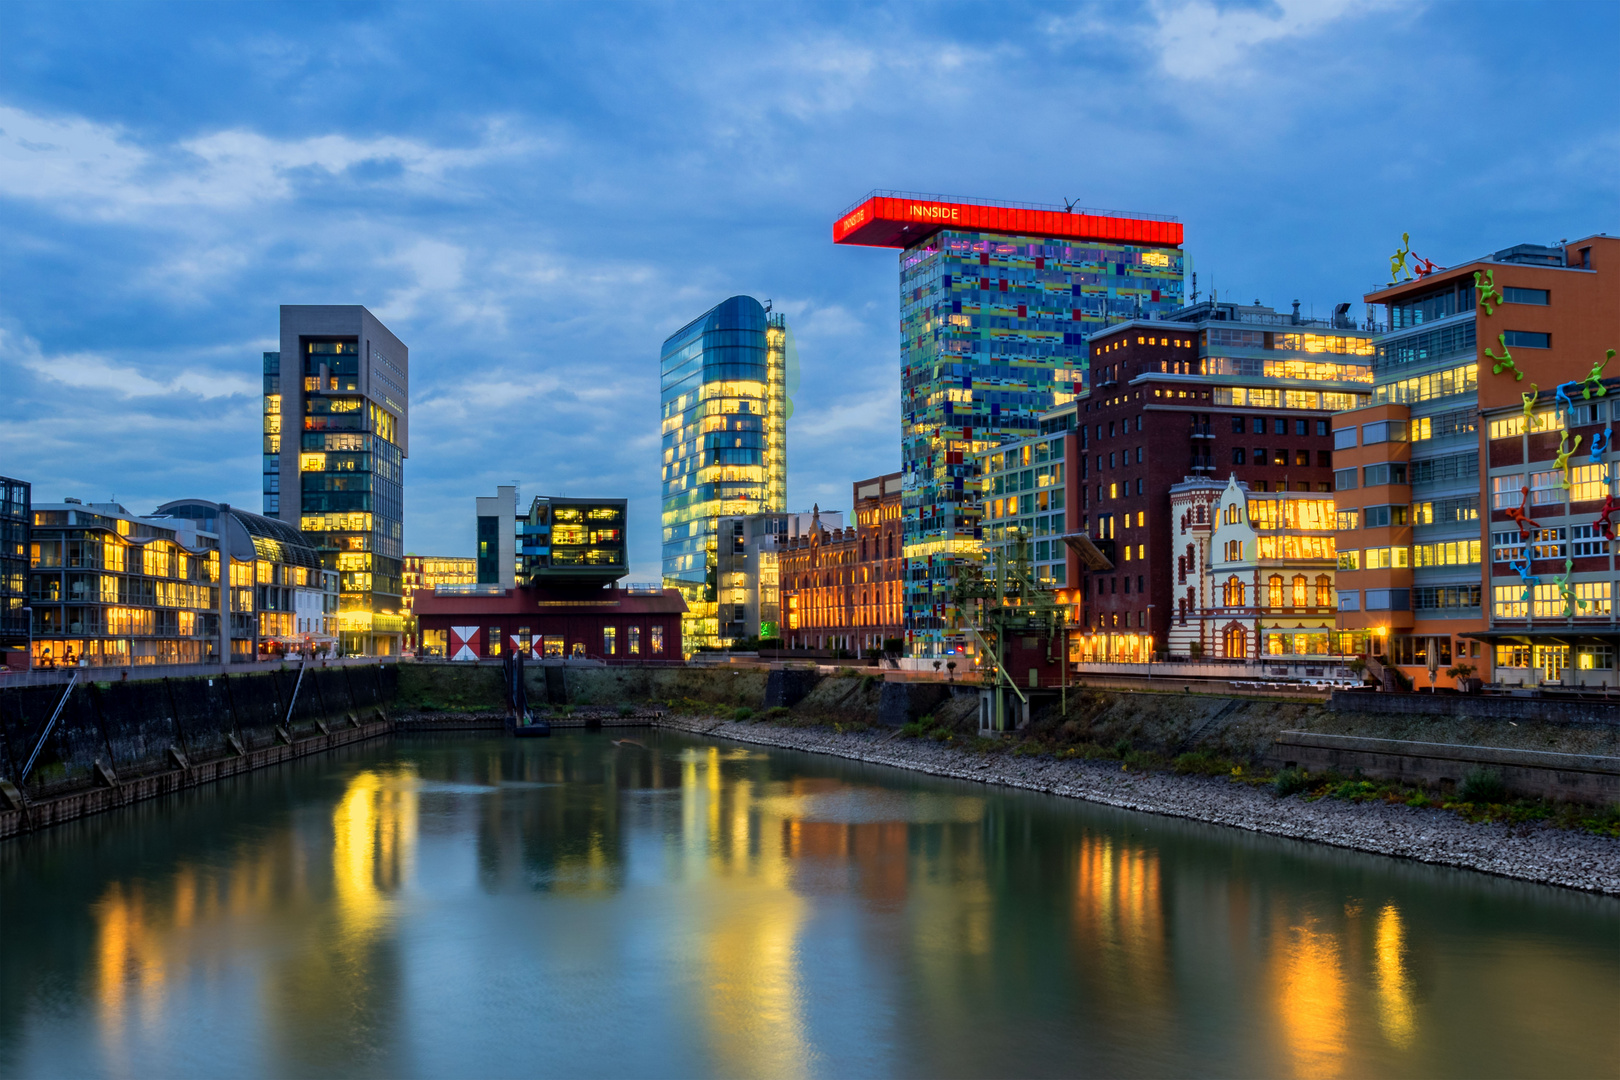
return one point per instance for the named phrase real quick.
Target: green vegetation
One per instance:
(1483, 786)
(776, 712)
(626, 710)
(742, 713)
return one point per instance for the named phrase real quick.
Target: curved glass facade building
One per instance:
(723, 401)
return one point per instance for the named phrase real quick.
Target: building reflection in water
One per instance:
(1310, 995)
(1395, 1006)
(1119, 925)
(326, 989)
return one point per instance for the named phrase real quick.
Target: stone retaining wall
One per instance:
(1588, 778)
(1478, 707)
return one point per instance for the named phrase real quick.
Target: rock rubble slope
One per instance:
(1528, 852)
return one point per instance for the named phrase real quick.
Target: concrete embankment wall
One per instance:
(1590, 778)
(110, 733)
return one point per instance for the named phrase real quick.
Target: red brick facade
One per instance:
(842, 588)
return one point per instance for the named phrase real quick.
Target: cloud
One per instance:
(74, 164)
(85, 370)
(1197, 40)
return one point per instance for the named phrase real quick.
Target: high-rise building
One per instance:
(1477, 491)
(15, 517)
(573, 542)
(723, 401)
(338, 392)
(497, 537)
(997, 303)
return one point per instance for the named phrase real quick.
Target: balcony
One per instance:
(1203, 463)
(1201, 431)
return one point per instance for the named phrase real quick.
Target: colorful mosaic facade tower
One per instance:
(997, 301)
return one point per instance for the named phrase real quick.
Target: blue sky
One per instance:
(533, 196)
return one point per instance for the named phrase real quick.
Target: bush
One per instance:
(1291, 782)
(866, 682)
(1122, 747)
(625, 710)
(742, 713)
(1483, 786)
(776, 712)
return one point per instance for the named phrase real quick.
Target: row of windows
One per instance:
(1301, 592)
(1433, 512)
(1577, 542)
(1300, 458)
(1552, 601)
(1584, 483)
(1577, 414)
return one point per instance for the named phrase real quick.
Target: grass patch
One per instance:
(1482, 786)
(742, 713)
(1290, 782)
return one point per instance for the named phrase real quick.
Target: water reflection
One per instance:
(687, 908)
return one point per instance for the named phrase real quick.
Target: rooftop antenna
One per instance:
(767, 307)
(1068, 205)
(1195, 287)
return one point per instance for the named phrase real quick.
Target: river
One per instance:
(574, 907)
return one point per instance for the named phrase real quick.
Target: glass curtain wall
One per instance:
(351, 475)
(723, 398)
(994, 331)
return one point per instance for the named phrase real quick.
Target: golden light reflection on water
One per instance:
(1120, 928)
(1310, 996)
(374, 829)
(1395, 1010)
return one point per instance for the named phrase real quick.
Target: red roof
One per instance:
(521, 601)
(898, 221)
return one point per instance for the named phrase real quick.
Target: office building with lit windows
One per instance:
(15, 518)
(336, 435)
(723, 382)
(1214, 391)
(1477, 491)
(998, 302)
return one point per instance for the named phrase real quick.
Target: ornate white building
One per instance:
(1254, 571)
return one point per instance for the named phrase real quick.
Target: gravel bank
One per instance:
(1529, 852)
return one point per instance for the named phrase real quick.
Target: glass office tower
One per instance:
(723, 398)
(997, 301)
(336, 419)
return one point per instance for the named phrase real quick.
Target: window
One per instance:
(1239, 455)
(1594, 657)
(1261, 456)
(1393, 472)
(1513, 655)
(1507, 546)
(1526, 339)
(1507, 602)
(1383, 431)
(1445, 597)
(655, 636)
(1587, 541)
(492, 641)
(1345, 520)
(1448, 553)
(1444, 469)
(1547, 543)
(552, 645)
(1349, 560)
(1586, 483)
(1508, 427)
(1546, 487)
(1324, 590)
(1507, 492)
(1280, 427)
(1386, 558)
(1594, 595)
(633, 641)
(1344, 438)
(1458, 380)
(1443, 426)
(1389, 600)
(1379, 517)
(1302, 457)
(1349, 599)
(1525, 296)
(1299, 591)
(1446, 511)
(1344, 479)
(1258, 425)
(1232, 551)
(610, 640)
(1235, 595)
(1237, 425)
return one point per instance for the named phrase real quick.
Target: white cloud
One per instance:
(99, 170)
(96, 372)
(1198, 40)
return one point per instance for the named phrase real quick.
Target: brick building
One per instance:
(842, 588)
(1218, 390)
(1472, 489)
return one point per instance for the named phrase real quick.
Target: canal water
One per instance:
(579, 907)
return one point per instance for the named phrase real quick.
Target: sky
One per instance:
(533, 196)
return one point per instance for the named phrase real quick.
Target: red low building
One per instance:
(635, 625)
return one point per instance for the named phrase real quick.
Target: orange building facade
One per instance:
(843, 588)
(1475, 495)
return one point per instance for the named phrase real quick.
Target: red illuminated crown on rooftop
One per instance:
(899, 219)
